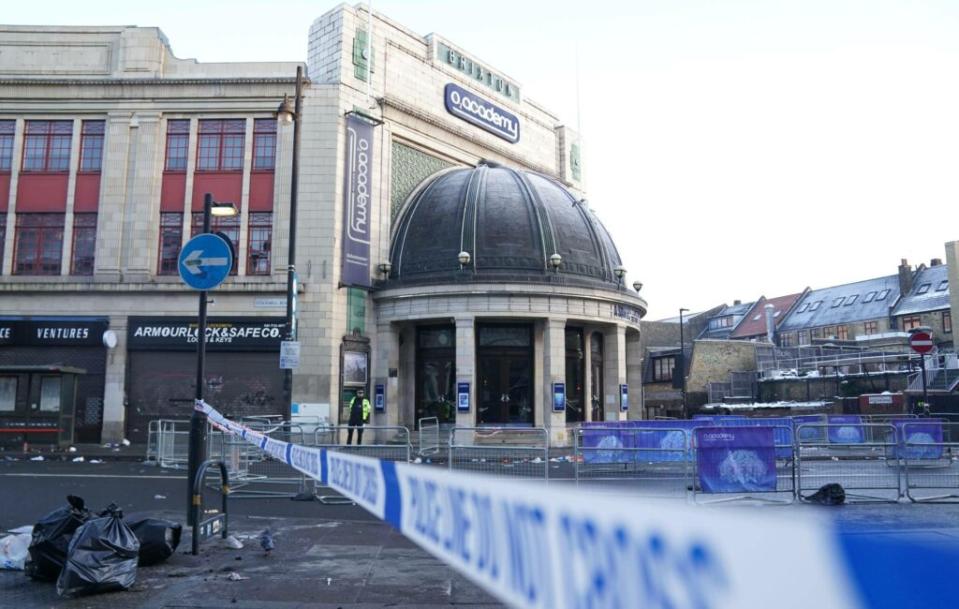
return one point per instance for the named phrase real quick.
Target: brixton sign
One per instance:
(222, 334)
(474, 109)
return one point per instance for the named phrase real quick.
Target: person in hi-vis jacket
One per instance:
(359, 416)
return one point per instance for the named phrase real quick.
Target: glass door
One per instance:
(436, 373)
(505, 371)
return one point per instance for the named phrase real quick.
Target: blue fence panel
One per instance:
(920, 440)
(736, 460)
(845, 429)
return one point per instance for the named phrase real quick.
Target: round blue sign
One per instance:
(205, 261)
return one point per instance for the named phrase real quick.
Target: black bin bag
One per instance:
(51, 536)
(158, 538)
(102, 557)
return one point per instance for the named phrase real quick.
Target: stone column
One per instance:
(588, 374)
(386, 356)
(554, 371)
(614, 370)
(952, 259)
(114, 386)
(634, 375)
(6, 255)
(66, 257)
(466, 368)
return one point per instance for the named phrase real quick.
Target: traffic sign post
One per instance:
(920, 339)
(204, 262)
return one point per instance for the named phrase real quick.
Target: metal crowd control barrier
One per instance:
(654, 461)
(756, 466)
(429, 436)
(387, 442)
(521, 452)
(930, 458)
(862, 457)
(263, 476)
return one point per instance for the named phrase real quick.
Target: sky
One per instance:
(734, 149)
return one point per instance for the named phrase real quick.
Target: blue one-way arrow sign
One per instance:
(205, 261)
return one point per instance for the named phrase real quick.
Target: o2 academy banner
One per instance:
(357, 202)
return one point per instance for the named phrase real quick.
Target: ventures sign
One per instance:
(474, 109)
(357, 190)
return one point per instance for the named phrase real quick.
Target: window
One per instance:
(264, 144)
(39, 243)
(803, 336)
(923, 288)
(947, 322)
(815, 306)
(663, 368)
(6, 145)
(828, 331)
(871, 327)
(882, 295)
(8, 393)
(837, 301)
(50, 394)
(850, 300)
(842, 332)
(913, 321)
(815, 333)
(91, 146)
(787, 339)
(725, 321)
(869, 297)
(261, 237)
(177, 144)
(228, 225)
(803, 308)
(943, 285)
(46, 146)
(84, 244)
(171, 238)
(756, 318)
(221, 145)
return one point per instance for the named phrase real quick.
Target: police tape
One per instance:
(542, 547)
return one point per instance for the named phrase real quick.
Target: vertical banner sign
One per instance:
(463, 397)
(559, 397)
(379, 397)
(624, 397)
(357, 202)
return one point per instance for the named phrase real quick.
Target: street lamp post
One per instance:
(682, 361)
(197, 449)
(286, 115)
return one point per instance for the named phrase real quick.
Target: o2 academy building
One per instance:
(447, 260)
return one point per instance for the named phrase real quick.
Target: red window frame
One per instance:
(91, 146)
(7, 131)
(170, 242)
(228, 225)
(177, 145)
(46, 146)
(871, 327)
(946, 317)
(84, 247)
(220, 145)
(842, 333)
(264, 144)
(664, 368)
(260, 239)
(39, 230)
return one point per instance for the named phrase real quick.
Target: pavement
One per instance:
(326, 556)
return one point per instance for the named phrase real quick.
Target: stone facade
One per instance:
(712, 360)
(130, 78)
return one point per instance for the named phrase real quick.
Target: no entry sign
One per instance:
(921, 342)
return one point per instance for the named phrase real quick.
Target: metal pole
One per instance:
(197, 454)
(682, 361)
(291, 254)
(925, 396)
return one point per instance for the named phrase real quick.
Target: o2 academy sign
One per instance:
(474, 109)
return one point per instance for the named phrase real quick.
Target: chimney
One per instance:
(935, 262)
(905, 277)
(770, 322)
(736, 303)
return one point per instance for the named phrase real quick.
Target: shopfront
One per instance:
(242, 372)
(52, 379)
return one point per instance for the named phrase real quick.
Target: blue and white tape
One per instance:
(542, 547)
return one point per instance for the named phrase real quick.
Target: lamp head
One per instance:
(224, 210)
(464, 258)
(285, 112)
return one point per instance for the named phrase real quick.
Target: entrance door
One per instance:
(436, 373)
(505, 367)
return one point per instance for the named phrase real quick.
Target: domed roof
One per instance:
(510, 222)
